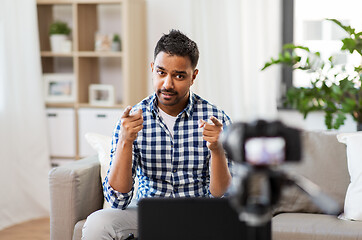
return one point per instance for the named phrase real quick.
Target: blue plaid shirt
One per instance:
(168, 166)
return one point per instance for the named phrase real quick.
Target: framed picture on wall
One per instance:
(101, 95)
(59, 88)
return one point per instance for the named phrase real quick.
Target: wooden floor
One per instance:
(37, 229)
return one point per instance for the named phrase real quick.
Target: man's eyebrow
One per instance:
(162, 68)
(177, 72)
(180, 72)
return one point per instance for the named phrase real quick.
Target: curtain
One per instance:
(235, 39)
(24, 158)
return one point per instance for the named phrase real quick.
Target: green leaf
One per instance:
(336, 90)
(349, 44)
(292, 47)
(59, 27)
(328, 120)
(339, 120)
(348, 106)
(268, 64)
(287, 56)
(348, 29)
(331, 107)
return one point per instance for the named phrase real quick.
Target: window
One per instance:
(304, 24)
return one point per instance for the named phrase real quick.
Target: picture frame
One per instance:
(101, 95)
(59, 88)
(103, 42)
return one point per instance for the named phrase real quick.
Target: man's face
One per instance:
(172, 78)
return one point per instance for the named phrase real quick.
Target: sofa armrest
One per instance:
(75, 192)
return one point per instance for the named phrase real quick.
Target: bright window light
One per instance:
(312, 30)
(2, 67)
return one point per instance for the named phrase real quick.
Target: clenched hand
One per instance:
(211, 133)
(131, 124)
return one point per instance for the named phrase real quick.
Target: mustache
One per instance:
(169, 91)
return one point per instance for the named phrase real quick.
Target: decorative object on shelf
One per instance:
(59, 32)
(116, 43)
(334, 88)
(59, 88)
(103, 42)
(66, 46)
(101, 95)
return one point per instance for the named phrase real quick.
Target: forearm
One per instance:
(120, 175)
(220, 176)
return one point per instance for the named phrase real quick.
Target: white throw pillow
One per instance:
(353, 199)
(103, 145)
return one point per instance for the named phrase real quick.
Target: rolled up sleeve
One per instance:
(115, 198)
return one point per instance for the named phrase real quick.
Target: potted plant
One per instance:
(333, 88)
(58, 32)
(116, 43)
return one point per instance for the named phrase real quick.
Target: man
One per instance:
(169, 141)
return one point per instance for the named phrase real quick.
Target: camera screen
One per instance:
(265, 150)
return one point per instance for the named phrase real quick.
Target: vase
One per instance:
(116, 46)
(56, 42)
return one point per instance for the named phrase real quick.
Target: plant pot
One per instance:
(56, 42)
(116, 46)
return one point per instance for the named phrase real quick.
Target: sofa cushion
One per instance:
(353, 200)
(324, 163)
(103, 145)
(304, 226)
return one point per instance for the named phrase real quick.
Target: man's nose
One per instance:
(168, 83)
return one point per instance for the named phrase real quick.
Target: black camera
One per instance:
(258, 149)
(262, 143)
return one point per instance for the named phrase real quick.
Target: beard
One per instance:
(169, 97)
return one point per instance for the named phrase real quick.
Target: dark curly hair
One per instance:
(177, 43)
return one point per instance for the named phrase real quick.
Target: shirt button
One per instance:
(174, 171)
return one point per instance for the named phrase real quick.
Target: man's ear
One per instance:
(152, 64)
(196, 71)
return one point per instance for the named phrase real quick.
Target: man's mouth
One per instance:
(167, 93)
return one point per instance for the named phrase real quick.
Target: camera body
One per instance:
(262, 143)
(259, 148)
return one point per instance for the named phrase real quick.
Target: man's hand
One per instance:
(131, 125)
(211, 133)
(120, 175)
(220, 176)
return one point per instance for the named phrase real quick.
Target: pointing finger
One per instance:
(126, 112)
(216, 121)
(201, 123)
(135, 115)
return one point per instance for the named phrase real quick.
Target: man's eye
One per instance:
(160, 72)
(179, 76)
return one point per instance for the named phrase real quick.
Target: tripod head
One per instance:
(259, 148)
